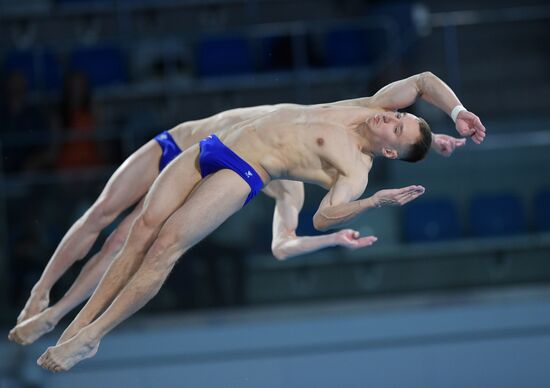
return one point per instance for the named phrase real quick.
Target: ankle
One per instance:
(89, 335)
(53, 315)
(40, 292)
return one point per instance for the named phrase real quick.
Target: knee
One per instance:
(115, 241)
(101, 214)
(143, 230)
(147, 221)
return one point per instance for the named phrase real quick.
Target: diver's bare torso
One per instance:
(191, 132)
(310, 144)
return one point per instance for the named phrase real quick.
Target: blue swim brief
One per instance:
(215, 156)
(169, 149)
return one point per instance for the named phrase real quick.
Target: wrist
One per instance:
(370, 202)
(456, 110)
(334, 239)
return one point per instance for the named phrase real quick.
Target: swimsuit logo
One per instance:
(248, 174)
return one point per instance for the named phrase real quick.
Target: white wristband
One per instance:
(456, 110)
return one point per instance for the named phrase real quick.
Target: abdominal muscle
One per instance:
(274, 150)
(191, 132)
(280, 152)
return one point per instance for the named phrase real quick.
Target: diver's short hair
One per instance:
(419, 150)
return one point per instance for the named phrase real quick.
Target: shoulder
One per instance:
(367, 161)
(361, 170)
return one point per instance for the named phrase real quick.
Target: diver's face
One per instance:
(394, 130)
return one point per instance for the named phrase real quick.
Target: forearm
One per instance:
(294, 246)
(436, 92)
(335, 216)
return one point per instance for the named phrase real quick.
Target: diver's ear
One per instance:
(389, 153)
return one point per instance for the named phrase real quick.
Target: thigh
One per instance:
(172, 187)
(215, 199)
(133, 178)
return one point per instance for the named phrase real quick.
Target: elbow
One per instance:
(284, 247)
(426, 74)
(279, 252)
(422, 81)
(425, 77)
(320, 223)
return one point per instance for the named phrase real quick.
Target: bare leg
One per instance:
(129, 183)
(36, 326)
(216, 198)
(166, 195)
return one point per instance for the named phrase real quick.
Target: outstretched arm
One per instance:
(289, 197)
(403, 93)
(341, 204)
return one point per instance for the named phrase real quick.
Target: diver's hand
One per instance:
(445, 145)
(469, 125)
(350, 238)
(397, 197)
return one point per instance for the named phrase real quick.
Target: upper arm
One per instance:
(289, 199)
(399, 94)
(345, 190)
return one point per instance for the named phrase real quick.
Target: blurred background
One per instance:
(455, 293)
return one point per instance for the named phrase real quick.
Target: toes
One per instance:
(55, 367)
(50, 364)
(40, 360)
(47, 361)
(15, 337)
(43, 359)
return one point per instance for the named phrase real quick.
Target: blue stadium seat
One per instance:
(496, 215)
(104, 65)
(276, 53)
(40, 67)
(225, 55)
(431, 220)
(542, 210)
(347, 47)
